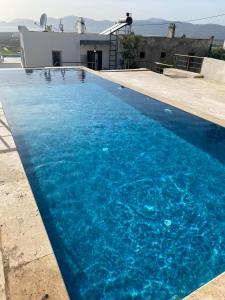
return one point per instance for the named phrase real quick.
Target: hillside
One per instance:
(191, 30)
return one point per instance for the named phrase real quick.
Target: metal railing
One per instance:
(183, 62)
(188, 62)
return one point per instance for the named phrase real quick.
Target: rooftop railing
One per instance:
(183, 62)
(188, 62)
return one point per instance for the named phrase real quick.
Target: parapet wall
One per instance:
(213, 69)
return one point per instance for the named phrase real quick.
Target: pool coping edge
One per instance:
(33, 259)
(158, 97)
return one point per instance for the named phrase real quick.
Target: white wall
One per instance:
(94, 37)
(37, 48)
(213, 69)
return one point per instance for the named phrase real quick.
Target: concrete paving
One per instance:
(28, 267)
(203, 98)
(214, 290)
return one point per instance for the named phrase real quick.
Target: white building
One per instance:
(94, 50)
(46, 49)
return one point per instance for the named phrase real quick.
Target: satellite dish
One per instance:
(43, 21)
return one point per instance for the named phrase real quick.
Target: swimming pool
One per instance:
(131, 190)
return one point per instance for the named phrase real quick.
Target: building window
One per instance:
(142, 54)
(163, 54)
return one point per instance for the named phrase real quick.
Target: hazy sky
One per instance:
(112, 9)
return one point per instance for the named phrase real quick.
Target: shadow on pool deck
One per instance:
(6, 140)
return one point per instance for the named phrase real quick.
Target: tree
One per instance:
(218, 53)
(130, 44)
(48, 28)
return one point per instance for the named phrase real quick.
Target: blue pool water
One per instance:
(131, 190)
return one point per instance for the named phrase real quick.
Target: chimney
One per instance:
(171, 32)
(81, 27)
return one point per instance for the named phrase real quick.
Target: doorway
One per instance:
(94, 60)
(56, 58)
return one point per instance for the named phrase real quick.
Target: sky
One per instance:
(113, 9)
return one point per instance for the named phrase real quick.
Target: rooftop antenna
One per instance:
(61, 27)
(43, 21)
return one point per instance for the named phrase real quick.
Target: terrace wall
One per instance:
(213, 69)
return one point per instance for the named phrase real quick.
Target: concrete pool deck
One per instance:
(28, 267)
(205, 99)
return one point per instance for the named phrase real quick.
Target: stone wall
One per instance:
(162, 49)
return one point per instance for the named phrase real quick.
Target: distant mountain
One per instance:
(191, 30)
(69, 23)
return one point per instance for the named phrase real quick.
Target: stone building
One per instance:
(154, 49)
(163, 50)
